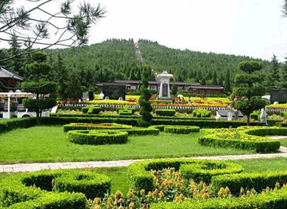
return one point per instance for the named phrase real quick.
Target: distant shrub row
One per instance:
(181, 129)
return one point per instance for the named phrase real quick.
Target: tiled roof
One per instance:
(7, 74)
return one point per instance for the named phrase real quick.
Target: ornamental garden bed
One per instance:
(53, 189)
(244, 138)
(167, 184)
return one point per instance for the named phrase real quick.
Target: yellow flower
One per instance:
(97, 200)
(161, 194)
(131, 205)
(142, 192)
(97, 207)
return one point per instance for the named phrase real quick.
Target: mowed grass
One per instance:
(51, 144)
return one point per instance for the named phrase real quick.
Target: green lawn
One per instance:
(51, 144)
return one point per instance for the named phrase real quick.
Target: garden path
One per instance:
(25, 167)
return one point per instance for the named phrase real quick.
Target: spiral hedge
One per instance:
(181, 129)
(97, 137)
(52, 189)
(251, 138)
(139, 176)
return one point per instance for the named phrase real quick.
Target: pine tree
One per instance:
(214, 79)
(273, 78)
(227, 86)
(249, 89)
(283, 83)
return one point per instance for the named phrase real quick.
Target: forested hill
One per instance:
(189, 65)
(116, 59)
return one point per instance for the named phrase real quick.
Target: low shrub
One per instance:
(181, 129)
(92, 109)
(159, 127)
(133, 110)
(241, 139)
(249, 181)
(272, 199)
(34, 190)
(201, 113)
(126, 111)
(255, 115)
(140, 177)
(165, 112)
(97, 137)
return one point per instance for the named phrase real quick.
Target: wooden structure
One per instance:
(9, 80)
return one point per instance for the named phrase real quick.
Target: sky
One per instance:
(254, 28)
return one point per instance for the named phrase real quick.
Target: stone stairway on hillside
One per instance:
(138, 52)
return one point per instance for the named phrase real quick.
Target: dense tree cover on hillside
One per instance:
(116, 59)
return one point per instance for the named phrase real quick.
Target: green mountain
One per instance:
(119, 59)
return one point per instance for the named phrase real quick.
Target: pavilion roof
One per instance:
(7, 74)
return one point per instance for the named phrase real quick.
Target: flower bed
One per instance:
(243, 138)
(181, 129)
(34, 190)
(141, 178)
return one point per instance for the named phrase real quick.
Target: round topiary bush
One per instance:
(181, 129)
(70, 189)
(97, 137)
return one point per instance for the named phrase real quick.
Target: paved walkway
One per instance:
(25, 167)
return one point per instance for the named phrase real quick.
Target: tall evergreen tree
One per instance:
(249, 89)
(227, 85)
(214, 79)
(283, 83)
(273, 78)
(16, 62)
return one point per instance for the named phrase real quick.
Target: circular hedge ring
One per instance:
(97, 137)
(181, 129)
(90, 126)
(34, 190)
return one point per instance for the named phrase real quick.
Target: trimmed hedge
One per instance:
(258, 181)
(241, 138)
(181, 129)
(201, 113)
(7, 125)
(112, 126)
(271, 200)
(165, 112)
(97, 137)
(91, 109)
(125, 108)
(159, 127)
(140, 177)
(19, 191)
(90, 126)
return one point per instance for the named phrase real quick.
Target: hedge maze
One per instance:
(52, 189)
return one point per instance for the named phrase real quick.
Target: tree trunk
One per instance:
(248, 119)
